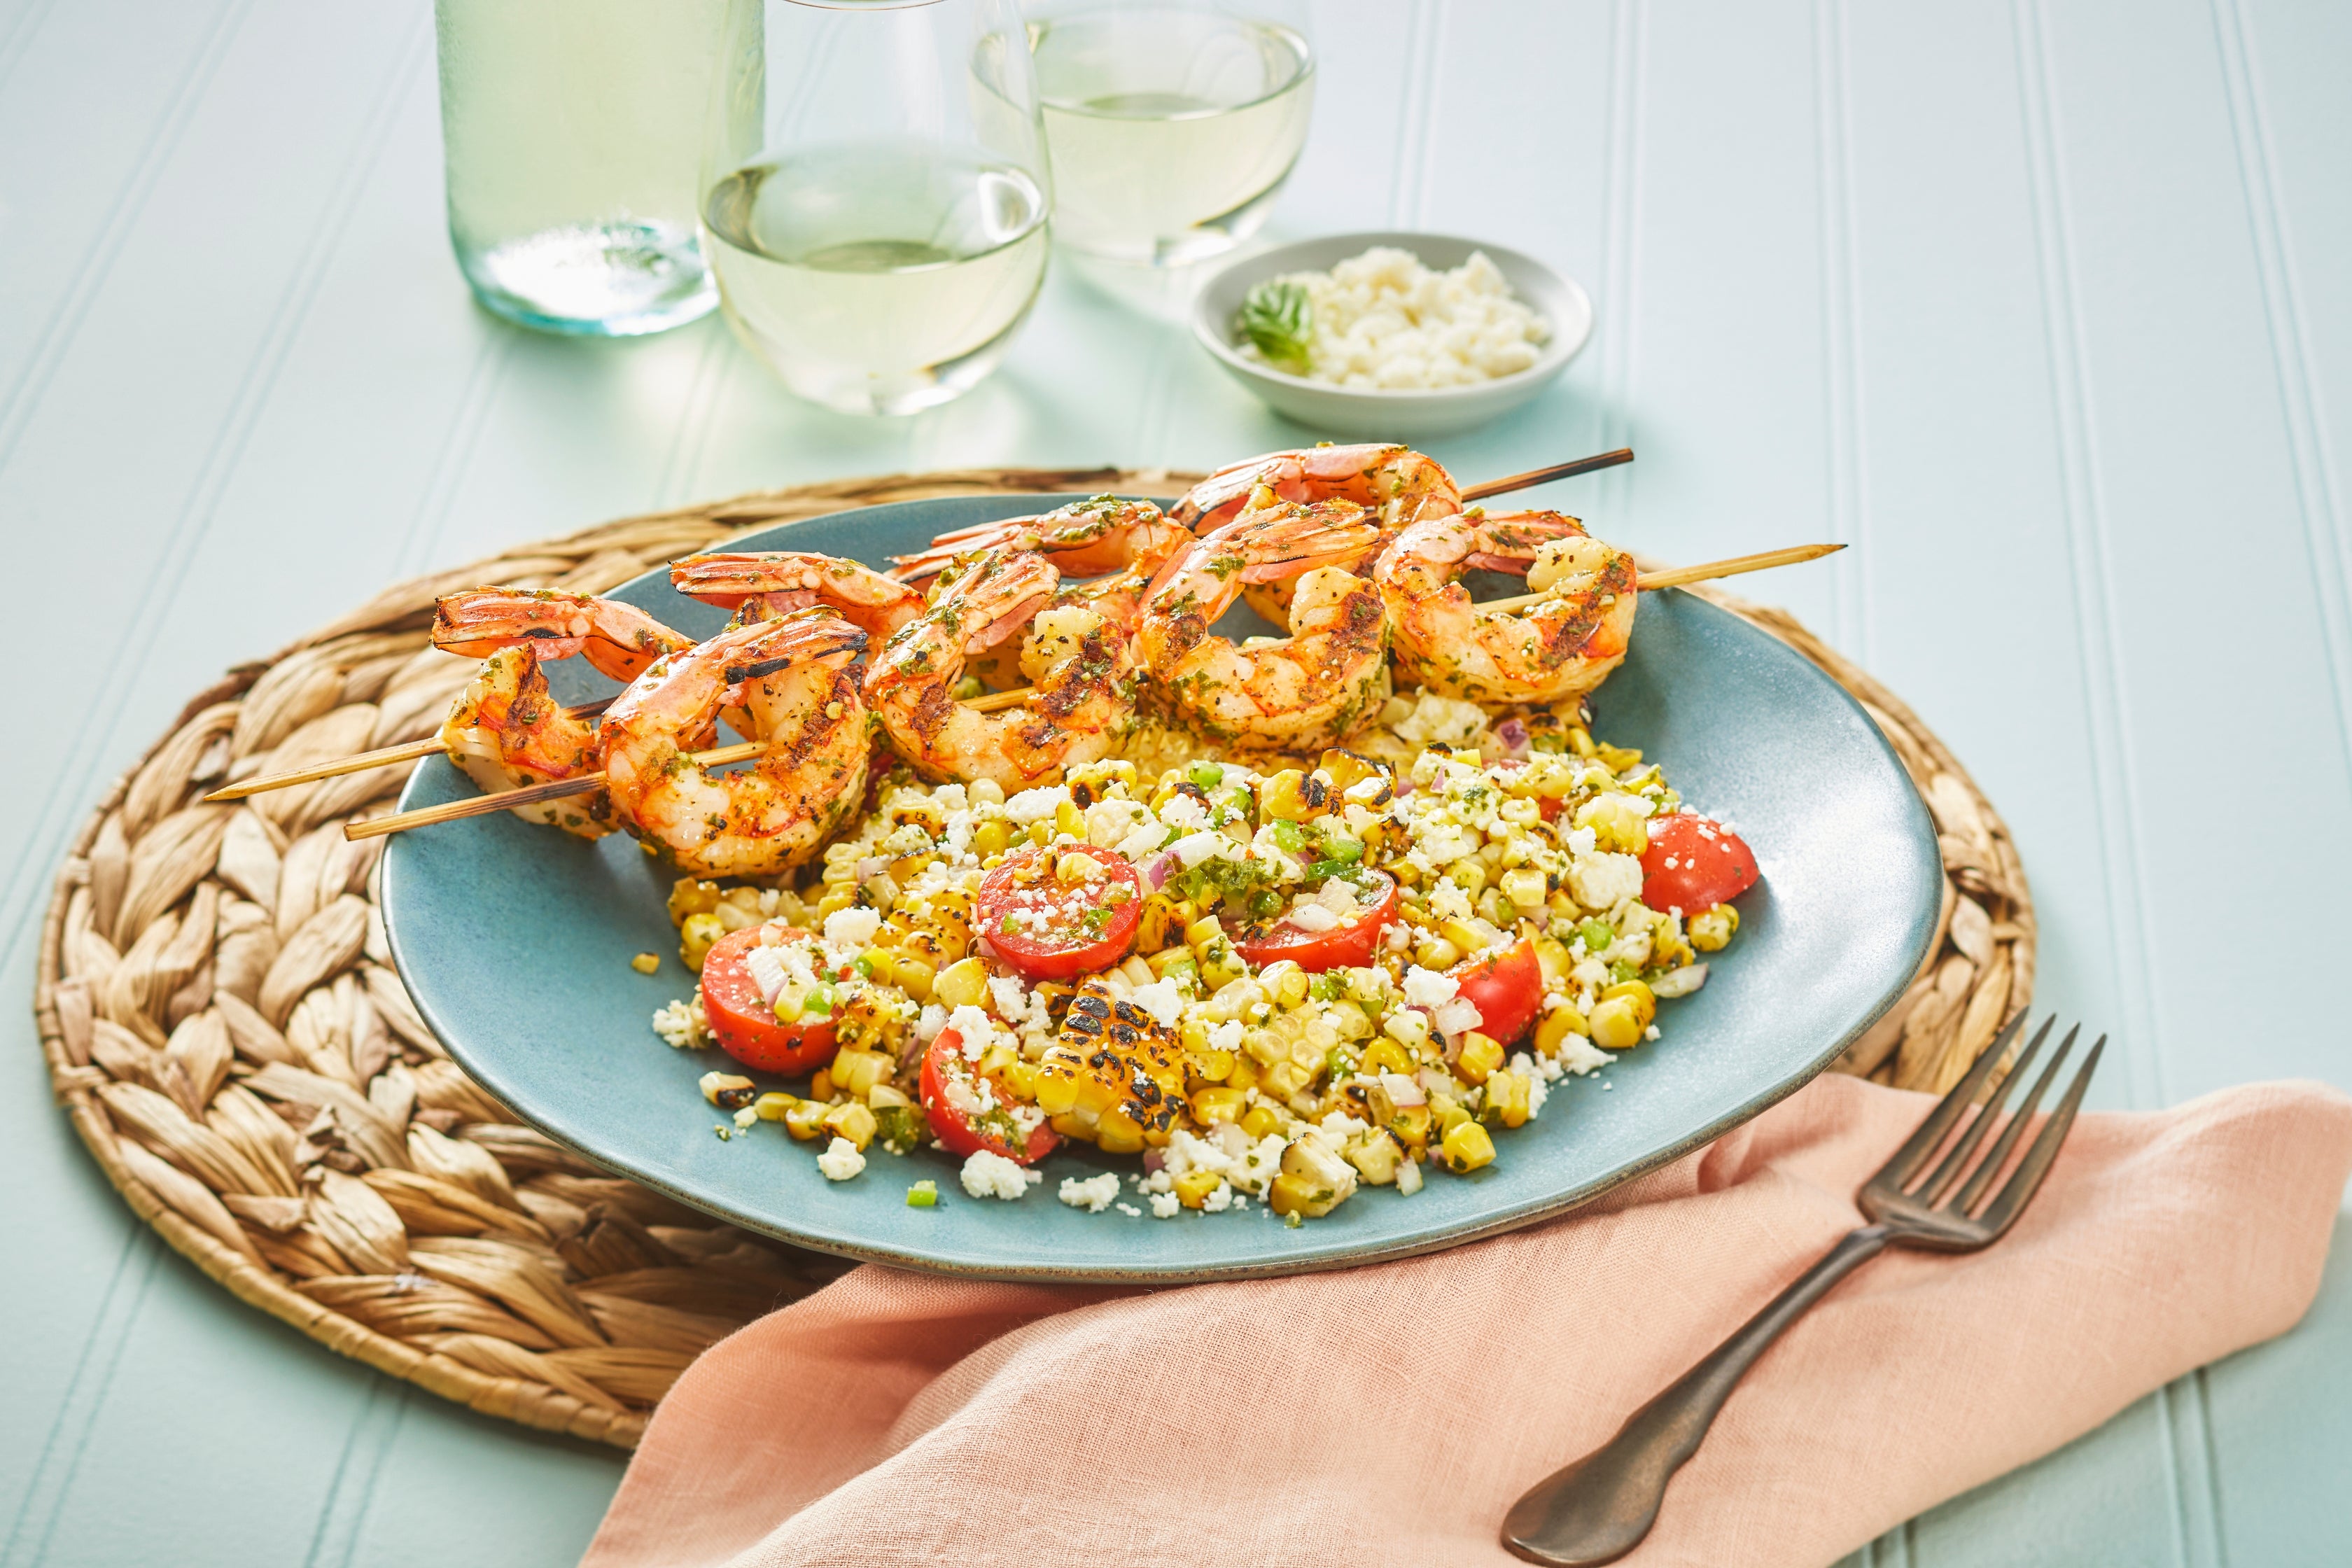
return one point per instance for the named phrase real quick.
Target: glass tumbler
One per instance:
(573, 134)
(875, 194)
(1172, 123)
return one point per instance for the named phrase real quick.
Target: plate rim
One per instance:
(1334, 1257)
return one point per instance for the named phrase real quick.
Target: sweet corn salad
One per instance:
(1274, 987)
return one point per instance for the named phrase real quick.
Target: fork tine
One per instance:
(1932, 1189)
(2043, 1151)
(1904, 1162)
(2010, 1134)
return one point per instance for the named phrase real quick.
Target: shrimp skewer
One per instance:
(1297, 693)
(1079, 657)
(504, 730)
(791, 680)
(1562, 644)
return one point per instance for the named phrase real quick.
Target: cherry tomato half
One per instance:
(1350, 945)
(1506, 987)
(746, 1027)
(1693, 864)
(1052, 930)
(967, 1131)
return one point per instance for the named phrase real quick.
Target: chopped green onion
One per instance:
(1206, 776)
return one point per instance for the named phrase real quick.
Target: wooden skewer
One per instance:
(530, 794)
(382, 758)
(1533, 477)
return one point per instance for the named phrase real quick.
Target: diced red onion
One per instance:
(1514, 736)
(1152, 1161)
(1156, 871)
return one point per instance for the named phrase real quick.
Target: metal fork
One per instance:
(1600, 1508)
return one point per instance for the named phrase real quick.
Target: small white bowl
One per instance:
(1380, 414)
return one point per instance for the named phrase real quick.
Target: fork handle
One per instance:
(1599, 1509)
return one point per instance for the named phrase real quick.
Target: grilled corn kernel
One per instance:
(1506, 1098)
(1375, 1157)
(726, 1090)
(833, 900)
(1553, 1029)
(1211, 1106)
(1154, 923)
(1074, 868)
(882, 1097)
(1710, 929)
(1447, 1112)
(1410, 1126)
(1467, 1147)
(1436, 952)
(695, 938)
(1616, 1024)
(772, 1105)
(1464, 936)
(1481, 1055)
(804, 1119)
(1617, 759)
(963, 984)
(1347, 769)
(1286, 981)
(734, 916)
(853, 1121)
(1069, 819)
(1210, 1063)
(1618, 821)
(1644, 1001)
(646, 962)
(1468, 874)
(1383, 1055)
(821, 1086)
(992, 837)
(1409, 1029)
(1551, 957)
(1194, 1187)
(1525, 889)
(1206, 932)
(787, 1005)
(690, 897)
(854, 1071)
(1260, 1120)
(880, 963)
(1219, 966)
(1291, 796)
(1285, 1078)
(1246, 1075)
(914, 976)
(1172, 961)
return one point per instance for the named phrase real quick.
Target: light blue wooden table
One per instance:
(2043, 307)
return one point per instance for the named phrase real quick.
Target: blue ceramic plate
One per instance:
(516, 941)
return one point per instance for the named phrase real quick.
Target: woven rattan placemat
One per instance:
(223, 1024)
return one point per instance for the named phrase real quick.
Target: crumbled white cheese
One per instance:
(1094, 1195)
(1428, 988)
(1010, 1000)
(930, 1022)
(1220, 1199)
(1224, 1037)
(1195, 847)
(987, 1175)
(1603, 881)
(1580, 1056)
(1165, 1205)
(1035, 804)
(1161, 1000)
(682, 1026)
(975, 1029)
(852, 928)
(1183, 811)
(1408, 1178)
(1313, 918)
(1141, 842)
(841, 1160)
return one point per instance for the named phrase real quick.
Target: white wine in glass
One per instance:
(879, 278)
(877, 197)
(1173, 127)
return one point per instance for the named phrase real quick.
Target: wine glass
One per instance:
(876, 196)
(1172, 123)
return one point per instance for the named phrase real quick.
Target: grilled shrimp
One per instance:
(791, 678)
(1080, 659)
(1084, 539)
(1562, 647)
(504, 729)
(792, 579)
(1298, 693)
(1398, 485)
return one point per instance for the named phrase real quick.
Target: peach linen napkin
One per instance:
(1390, 1414)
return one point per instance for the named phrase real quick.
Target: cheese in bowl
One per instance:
(1381, 320)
